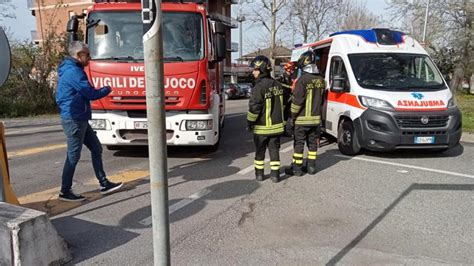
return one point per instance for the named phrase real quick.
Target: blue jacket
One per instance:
(74, 92)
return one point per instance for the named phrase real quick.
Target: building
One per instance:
(53, 15)
(240, 72)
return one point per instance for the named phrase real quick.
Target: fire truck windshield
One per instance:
(117, 36)
(396, 71)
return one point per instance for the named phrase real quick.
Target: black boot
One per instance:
(259, 174)
(311, 167)
(275, 176)
(296, 170)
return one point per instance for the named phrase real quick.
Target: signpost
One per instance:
(5, 65)
(155, 102)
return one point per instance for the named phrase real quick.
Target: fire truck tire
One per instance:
(347, 140)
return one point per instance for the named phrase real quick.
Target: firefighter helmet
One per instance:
(261, 63)
(307, 62)
(306, 58)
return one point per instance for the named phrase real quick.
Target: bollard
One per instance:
(6, 191)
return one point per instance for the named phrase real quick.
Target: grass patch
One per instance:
(466, 104)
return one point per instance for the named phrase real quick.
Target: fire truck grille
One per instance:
(420, 121)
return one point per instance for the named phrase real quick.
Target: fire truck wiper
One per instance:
(119, 58)
(173, 58)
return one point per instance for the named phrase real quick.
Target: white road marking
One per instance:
(402, 171)
(249, 169)
(32, 130)
(407, 166)
(180, 204)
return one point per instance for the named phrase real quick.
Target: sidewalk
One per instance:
(467, 137)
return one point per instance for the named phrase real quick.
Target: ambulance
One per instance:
(383, 93)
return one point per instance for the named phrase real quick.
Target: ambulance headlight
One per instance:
(452, 102)
(98, 124)
(375, 103)
(196, 125)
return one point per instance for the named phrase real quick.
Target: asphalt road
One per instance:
(407, 207)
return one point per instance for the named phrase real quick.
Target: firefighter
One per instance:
(286, 80)
(265, 117)
(306, 110)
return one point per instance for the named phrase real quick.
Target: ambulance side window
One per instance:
(338, 69)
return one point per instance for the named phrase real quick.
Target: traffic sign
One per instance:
(5, 54)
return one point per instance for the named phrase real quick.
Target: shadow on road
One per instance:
(456, 151)
(413, 187)
(90, 239)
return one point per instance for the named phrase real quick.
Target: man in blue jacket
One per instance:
(74, 94)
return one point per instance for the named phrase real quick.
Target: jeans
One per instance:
(79, 133)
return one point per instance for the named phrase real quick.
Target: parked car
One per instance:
(233, 91)
(247, 88)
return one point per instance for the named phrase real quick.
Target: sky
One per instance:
(24, 23)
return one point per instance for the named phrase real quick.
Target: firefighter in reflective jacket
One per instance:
(265, 117)
(306, 114)
(287, 80)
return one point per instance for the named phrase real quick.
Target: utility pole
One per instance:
(273, 36)
(155, 102)
(240, 19)
(426, 21)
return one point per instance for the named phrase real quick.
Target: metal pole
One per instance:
(153, 55)
(426, 21)
(2, 188)
(240, 38)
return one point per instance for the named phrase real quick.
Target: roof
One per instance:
(280, 52)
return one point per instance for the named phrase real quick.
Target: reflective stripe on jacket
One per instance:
(307, 100)
(266, 107)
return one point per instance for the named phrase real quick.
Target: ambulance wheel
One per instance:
(347, 138)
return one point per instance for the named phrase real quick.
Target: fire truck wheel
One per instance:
(347, 139)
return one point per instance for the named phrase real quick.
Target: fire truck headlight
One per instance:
(98, 124)
(375, 103)
(195, 125)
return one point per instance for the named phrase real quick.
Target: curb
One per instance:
(467, 137)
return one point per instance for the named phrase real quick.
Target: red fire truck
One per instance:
(193, 49)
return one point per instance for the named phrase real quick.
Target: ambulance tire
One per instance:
(347, 139)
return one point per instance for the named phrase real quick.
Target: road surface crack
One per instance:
(248, 214)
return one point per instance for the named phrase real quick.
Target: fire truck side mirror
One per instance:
(337, 84)
(72, 24)
(221, 47)
(220, 28)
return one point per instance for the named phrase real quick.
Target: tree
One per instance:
(31, 86)
(354, 15)
(271, 14)
(6, 9)
(449, 26)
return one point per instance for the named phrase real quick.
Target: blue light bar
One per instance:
(380, 36)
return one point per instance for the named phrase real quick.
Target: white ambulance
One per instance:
(384, 93)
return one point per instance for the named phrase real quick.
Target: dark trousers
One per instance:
(80, 133)
(261, 144)
(302, 135)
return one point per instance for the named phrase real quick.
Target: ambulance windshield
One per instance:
(117, 36)
(395, 71)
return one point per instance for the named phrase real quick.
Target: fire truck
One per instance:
(194, 48)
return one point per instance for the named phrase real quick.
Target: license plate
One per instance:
(424, 140)
(140, 125)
